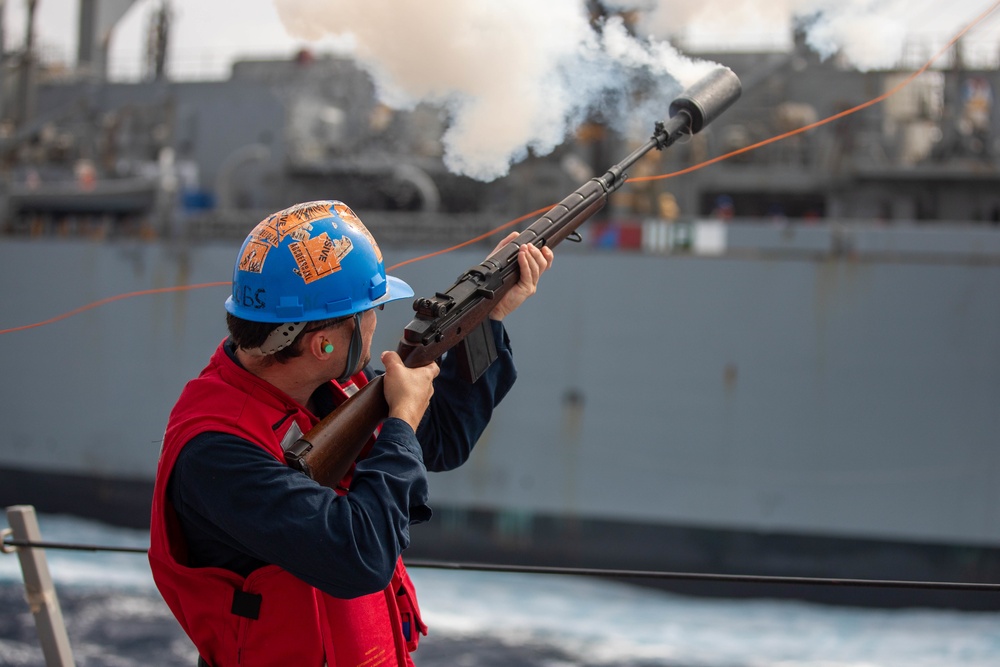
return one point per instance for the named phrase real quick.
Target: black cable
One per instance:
(71, 547)
(699, 576)
(605, 573)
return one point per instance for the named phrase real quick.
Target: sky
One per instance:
(208, 34)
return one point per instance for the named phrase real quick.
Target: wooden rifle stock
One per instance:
(457, 317)
(328, 450)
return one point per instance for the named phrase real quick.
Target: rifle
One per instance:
(457, 317)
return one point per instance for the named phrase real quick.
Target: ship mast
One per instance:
(24, 100)
(97, 21)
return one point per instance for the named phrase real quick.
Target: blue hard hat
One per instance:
(313, 261)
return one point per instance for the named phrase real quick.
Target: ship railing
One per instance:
(24, 538)
(773, 237)
(38, 588)
(409, 228)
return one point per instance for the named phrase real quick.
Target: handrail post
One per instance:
(38, 588)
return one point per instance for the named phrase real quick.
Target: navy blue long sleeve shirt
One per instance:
(241, 509)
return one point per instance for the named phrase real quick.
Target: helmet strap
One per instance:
(353, 352)
(280, 338)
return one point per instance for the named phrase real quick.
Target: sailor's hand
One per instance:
(407, 390)
(532, 262)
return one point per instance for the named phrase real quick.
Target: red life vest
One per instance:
(269, 617)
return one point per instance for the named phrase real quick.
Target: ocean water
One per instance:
(115, 618)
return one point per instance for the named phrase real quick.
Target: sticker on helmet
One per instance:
(315, 257)
(293, 221)
(254, 254)
(295, 217)
(320, 256)
(348, 216)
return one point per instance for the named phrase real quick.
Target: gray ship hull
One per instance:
(802, 402)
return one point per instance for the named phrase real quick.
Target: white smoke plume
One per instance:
(520, 75)
(514, 74)
(869, 34)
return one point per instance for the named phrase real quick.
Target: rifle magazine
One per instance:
(476, 352)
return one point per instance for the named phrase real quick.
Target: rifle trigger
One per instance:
(575, 237)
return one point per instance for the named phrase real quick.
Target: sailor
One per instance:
(260, 564)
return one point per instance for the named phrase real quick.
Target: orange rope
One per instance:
(470, 241)
(805, 128)
(119, 297)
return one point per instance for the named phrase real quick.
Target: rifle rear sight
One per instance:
(435, 307)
